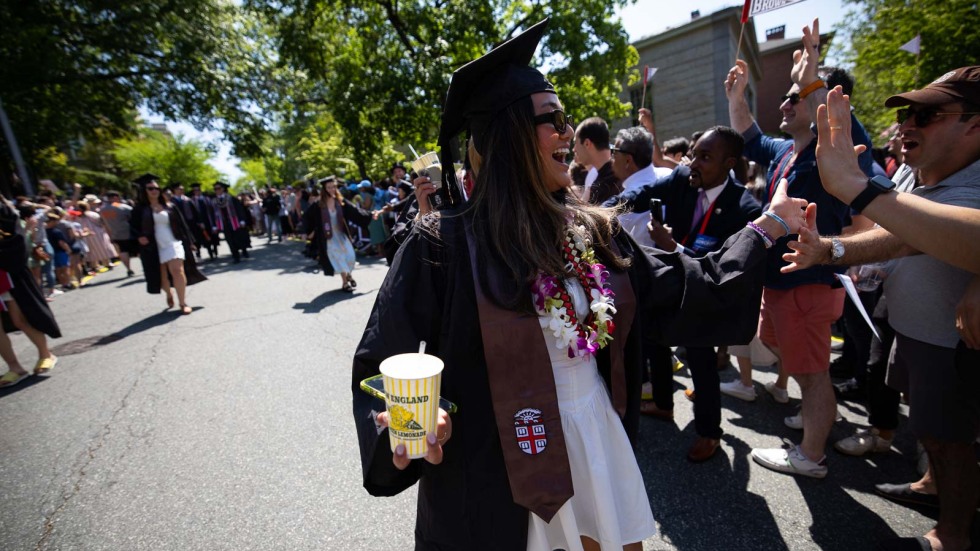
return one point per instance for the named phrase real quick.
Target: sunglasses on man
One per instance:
(618, 150)
(793, 98)
(556, 118)
(924, 117)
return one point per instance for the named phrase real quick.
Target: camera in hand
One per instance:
(428, 165)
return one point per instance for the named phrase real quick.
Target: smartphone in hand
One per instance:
(657, 210)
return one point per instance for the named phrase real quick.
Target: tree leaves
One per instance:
(950, 31)
(382, 67)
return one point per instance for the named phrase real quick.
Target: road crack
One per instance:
(96, 446)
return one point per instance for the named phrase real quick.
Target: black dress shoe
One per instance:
(903, 493)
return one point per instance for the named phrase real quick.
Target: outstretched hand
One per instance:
(436, 440)
(809, 250)
(796, 212)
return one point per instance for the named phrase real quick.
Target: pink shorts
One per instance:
(797, 321)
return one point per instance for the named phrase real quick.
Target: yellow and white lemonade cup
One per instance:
(412, 383)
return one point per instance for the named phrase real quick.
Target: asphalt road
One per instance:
(230, 429)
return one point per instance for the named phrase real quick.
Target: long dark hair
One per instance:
(517, 222)
(143, 198)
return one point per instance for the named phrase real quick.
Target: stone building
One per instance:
(692, 60)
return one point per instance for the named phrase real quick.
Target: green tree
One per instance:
(873, 32)
(68, 67)
(173, 158)
(383, 67)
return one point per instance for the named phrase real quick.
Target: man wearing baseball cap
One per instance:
(930, 363)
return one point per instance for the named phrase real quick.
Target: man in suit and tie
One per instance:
(704, 205)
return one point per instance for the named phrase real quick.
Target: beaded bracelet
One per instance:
(767, 239)
(776, 217)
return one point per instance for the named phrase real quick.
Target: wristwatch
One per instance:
(836, 250)
(876, 186)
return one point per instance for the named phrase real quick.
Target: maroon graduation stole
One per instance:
(525, 402)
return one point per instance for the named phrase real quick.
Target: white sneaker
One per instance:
(790, 461)
(780, 395)
(736, 389)
(862, 442)
(796, 421)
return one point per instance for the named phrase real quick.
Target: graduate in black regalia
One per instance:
(231, 219)
(167, 257)
(536, 303)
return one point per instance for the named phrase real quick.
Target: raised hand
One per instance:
(806, 61)
(423, 189)
(737, 80)
(837, 156)
(646, 120)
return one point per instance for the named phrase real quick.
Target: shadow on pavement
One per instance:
(323, 301)
(26, 383)
(82, 345)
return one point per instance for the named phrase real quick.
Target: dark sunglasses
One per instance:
(923, 117)
(556, 118)
(616, 150)
(793, 98)
(154, 188)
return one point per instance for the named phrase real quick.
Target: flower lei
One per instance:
(554, 305)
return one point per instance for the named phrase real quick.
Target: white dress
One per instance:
(610, 504)
(339, 248)
(168, 246)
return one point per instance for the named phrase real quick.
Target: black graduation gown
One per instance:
(407, 209)
(149, 255)
(466, 502)
(30, 299)
(203, 215)
(238, 240)
(313, 220)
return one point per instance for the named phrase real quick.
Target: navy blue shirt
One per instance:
(804, 182)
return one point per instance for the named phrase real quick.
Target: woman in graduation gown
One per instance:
(166, 244)
(22, 304)
(327, 220)
(539, 455)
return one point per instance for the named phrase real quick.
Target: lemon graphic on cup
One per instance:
(402, 419)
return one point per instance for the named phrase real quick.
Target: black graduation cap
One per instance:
(323, 181)
(482, 88)
(146, 179)
(196, 185)
(221, 184)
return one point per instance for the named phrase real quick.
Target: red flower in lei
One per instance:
(555, 307)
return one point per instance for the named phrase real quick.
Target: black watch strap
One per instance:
(864, 198)
(876, 186)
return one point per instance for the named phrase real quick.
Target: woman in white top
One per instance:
(166, 246)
